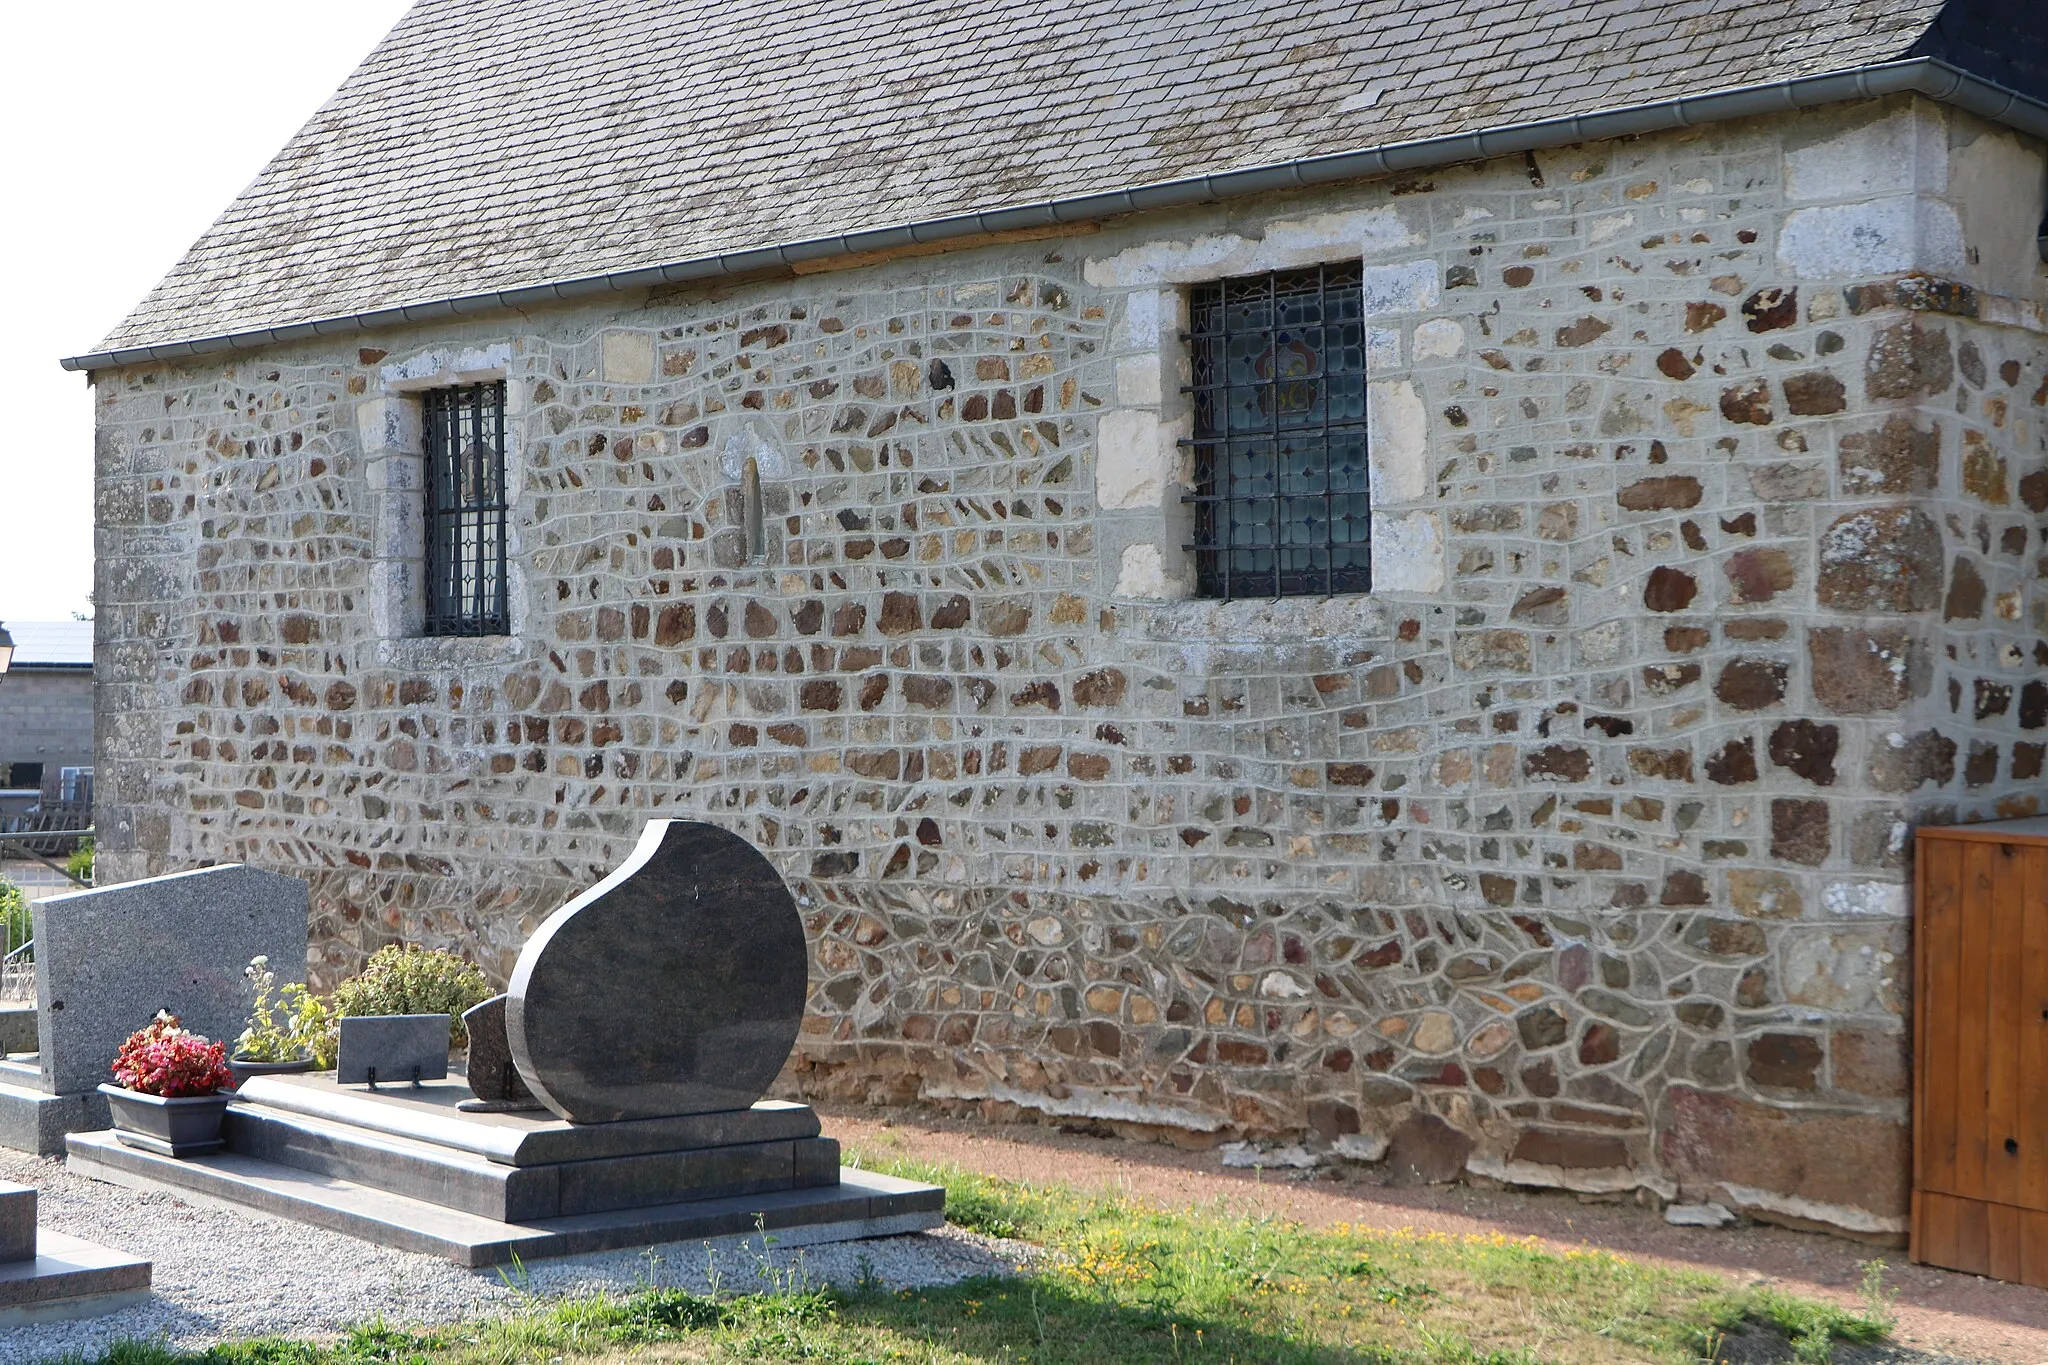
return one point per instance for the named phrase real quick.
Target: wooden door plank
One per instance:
(1938, 951)
(1973, 1010)
(2034, 1247)
(2003, 1145)
(2033, 1026)
(1973, 1236)
(1934, 1229)
(2002, 1242)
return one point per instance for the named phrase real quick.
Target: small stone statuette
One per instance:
(494, 1082)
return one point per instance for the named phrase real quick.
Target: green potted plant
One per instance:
(295, 1032)
(173, 1089)
(403, 979)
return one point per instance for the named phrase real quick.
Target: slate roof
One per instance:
(488, 144)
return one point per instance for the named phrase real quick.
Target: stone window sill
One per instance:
(449, 651)
(1258, 620)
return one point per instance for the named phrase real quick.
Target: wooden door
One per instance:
(1980, 1091)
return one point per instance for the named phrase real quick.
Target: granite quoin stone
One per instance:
(108, 959)
(392, 1049)
(493, 1076)
(673, 986)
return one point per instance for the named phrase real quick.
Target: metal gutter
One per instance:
(1929, 76)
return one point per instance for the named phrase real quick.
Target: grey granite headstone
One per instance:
(673, 986)
(108, 959)
(493, 1076)
(17, 1222)
(392, 1049)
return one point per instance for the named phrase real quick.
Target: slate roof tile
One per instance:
(488, 144)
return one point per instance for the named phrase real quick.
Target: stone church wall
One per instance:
(1708, 472)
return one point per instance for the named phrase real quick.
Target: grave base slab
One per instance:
(862, 1204)
(32, 1121)
(69, 1278)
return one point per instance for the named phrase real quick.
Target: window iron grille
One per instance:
(465, 507)
(1281, 503)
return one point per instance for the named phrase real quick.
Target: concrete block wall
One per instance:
(1706, 471)
(46, 717)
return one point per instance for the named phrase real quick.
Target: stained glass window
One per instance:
(465, 440)
(1280, 466)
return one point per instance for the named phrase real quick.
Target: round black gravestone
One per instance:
(673, 986)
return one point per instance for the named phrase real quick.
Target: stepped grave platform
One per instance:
(404, 1166)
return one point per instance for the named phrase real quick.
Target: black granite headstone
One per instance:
(673, 986)
(493, 1076)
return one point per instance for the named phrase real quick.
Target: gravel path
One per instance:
(224, 1272)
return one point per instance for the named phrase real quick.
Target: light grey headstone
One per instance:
(392, 1049)
(673, 986)
(108, 959)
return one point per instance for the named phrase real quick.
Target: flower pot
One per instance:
(244, 1068)
(183, 1126)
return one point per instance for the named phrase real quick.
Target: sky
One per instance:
(131, 125)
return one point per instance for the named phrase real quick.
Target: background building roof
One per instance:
(488, 144)
(51, 644)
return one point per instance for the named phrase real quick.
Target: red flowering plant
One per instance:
(164, 1059)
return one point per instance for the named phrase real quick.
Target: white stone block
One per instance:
(1137, 380)
(1407, 552)
(1410, 287)
(1130, 467)
(1881, 237)
(626, 357)
(1397, 442)
(1698, 1216)
(1439, 339)
(1904, 151)
(1142, 573)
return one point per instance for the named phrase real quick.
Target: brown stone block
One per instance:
(1751, 684)
(1858, 672)
(1874, 1062)
(1570, 1150)
(1667, 765)
(1725, 937)
(1492, 649)
(1771, 310)
(1908, 360)
(1884, 559)
(1925, 756)
(1854, 1160)
(1549, 605)
(1799, 831)
(1808, 749)
(1564, 762)
(1748, 404)
(1669, 589)
(1660, 493)
(1814, 394)
(1898, 458)
(1764, 895)
(1758, 575)
(1966, 592)
(1784, 1061)
(1424, 1150)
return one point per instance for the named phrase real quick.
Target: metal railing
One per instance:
(18, 966)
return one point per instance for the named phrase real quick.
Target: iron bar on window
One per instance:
(465, 510)
(1280, 498)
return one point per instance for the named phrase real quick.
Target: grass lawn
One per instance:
(1125, 1281)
